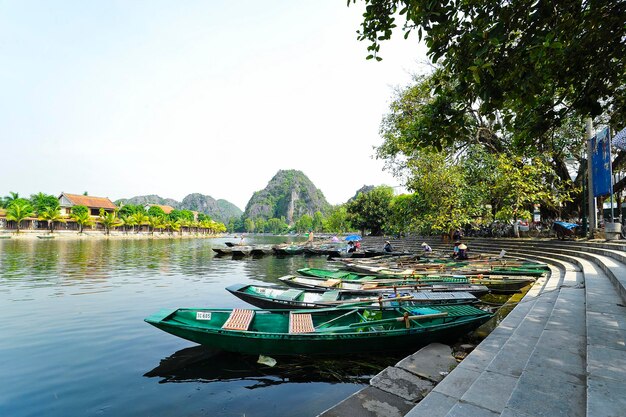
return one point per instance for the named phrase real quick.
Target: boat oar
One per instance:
(367, 301)
(405, 318)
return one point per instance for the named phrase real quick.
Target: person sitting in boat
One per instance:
(457, 235)
(426, 247)
(462, 254)
(351, 247)
(357, 245)
(387, 247)
(455, 249)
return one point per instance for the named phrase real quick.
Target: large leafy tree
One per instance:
(277, 226)
(19, 209)
(537, 62)
(41, 202)
(371, 210)
(337, 219)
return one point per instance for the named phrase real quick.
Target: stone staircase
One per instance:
(560, 352)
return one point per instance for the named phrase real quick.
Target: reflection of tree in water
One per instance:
(201, 364)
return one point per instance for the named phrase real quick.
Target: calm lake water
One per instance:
(73, 340)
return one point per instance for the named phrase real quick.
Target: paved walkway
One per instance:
(560, 352)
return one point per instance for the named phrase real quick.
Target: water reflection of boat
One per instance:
(201, 364)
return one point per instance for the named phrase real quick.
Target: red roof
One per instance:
(89, 201)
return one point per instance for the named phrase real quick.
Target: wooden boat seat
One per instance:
(301, 323)
(370, 285)
(290, 294)
(331, 282)
(239, 319)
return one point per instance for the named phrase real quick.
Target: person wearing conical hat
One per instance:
(426, 247)
(462, 254)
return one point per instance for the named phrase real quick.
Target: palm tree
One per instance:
(140, 219)
(82, 219)
(108, 219)
(155, 222)
(51, 215)
(6, 201)
(19, 209)
(129, 221)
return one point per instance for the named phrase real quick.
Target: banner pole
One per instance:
(593, 221)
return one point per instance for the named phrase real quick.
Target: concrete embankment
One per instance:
(560, 352)
(395, 390)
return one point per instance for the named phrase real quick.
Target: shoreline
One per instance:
(92, 235)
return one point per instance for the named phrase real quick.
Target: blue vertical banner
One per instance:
(601, 163)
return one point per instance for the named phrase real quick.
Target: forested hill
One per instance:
(218, 210)
(289, 194)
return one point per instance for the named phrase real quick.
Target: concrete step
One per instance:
(483, 382)
(556, 367)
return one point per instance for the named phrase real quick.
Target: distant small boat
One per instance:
(5, 236)
(46, 236)
(328, 331)
(288, 249)
(276, 297)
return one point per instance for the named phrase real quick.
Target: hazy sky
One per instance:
(127, 98)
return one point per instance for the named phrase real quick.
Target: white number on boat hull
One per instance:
(203, 315)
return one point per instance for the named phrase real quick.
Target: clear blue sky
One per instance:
(126, 98)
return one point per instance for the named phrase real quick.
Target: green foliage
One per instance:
(202, 217)
(19, 209)
(260, 225)
(51, 215)
(303, 224)
(536, 62)
(130, 209)
(337, 220)
(41, 202)
(80, 210)
(181, 215)
(108, 220)
(6, 201)
(248, 225)
(276, 226)
(155, 211)
(81, 215)
(318, 222)
(371, 210)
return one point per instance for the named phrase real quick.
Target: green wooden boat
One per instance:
(334, 331)
(352, 276)
(369, 285)
(440, 268)
(277, 297)
(496, 284)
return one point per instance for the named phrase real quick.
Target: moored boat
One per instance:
(496, 283)
(319, 332)
(368, 286)
(288, 249)
(277, 297)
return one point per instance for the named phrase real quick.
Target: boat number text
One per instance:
(203, 315)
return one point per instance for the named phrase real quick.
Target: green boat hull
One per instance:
(342, 342)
